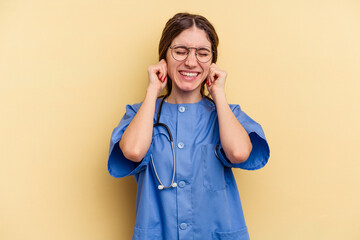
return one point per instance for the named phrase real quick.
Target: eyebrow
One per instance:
(201, 48)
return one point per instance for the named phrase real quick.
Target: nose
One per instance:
(191, 60)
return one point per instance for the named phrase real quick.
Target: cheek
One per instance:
(171, 68)
(170, 63)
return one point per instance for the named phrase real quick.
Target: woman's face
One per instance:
(187, 75)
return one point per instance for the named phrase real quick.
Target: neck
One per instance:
(182, 98)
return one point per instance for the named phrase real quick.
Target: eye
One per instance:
(203, 52)
(180, 51)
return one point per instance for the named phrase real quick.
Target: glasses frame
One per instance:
(188, 52)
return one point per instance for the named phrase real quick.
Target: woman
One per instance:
(181, 147)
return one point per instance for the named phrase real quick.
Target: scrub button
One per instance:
(180, 145)
(183, 226)
(181, 109)
(182, 184)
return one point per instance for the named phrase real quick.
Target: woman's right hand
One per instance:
(158, 76)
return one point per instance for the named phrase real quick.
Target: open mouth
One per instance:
(189, 74)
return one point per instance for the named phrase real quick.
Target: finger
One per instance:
(163, 74)
(160, 75)
(160, 69)
(207, 83)
(165, 71)
(209, 86)
(164, 65)
(212, 79)
(208, 79)
(216, 75)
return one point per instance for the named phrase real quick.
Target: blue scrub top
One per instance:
(206, 203)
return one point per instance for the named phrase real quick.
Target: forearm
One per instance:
(234, 138)
(137, 137)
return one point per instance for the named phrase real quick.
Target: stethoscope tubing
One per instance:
(159, 124)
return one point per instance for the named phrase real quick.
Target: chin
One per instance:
(188, 87)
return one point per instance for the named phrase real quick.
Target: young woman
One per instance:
(181, 147)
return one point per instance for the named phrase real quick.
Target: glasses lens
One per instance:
(179, 53)
(203, 54)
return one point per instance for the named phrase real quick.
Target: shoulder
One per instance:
(209, 104)
(235, 107)
(133, 107)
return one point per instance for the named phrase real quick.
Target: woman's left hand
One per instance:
(215, 81)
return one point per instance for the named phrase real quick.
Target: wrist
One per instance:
(151, 92)
(218, 96)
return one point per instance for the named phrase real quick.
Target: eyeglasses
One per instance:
(180, 53)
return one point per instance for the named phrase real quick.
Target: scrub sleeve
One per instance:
(118, 165)
(260, 149)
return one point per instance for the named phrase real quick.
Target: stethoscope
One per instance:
(172, 184)
(158, 123)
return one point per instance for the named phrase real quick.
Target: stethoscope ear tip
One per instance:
(161, 187)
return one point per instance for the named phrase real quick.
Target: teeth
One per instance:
(189, 74)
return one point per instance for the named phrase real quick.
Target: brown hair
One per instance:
(179, 23)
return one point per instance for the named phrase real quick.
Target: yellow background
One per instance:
(68, 68)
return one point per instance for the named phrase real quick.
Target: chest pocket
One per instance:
(236, 235)
(146, 234)
(214, 172)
